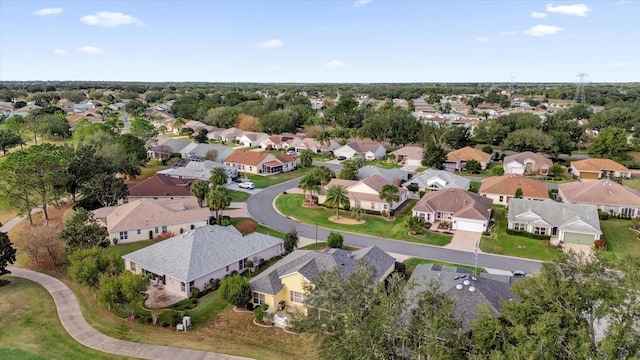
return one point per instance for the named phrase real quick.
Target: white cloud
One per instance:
(60, 52)
(361, 2)
(576, 10)
(90, 50)
(47, 11)
(538, 15)
(508, 33)
(482, 39)
(334, 64)
(543, 30)
(110, 19)
(270, 44)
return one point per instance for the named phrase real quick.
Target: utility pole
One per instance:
(579, 96)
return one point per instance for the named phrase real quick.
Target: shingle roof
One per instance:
(196, 170)
(594, 164)
(392, 176)
(246, 157)
(201, 251)
(160, 185)
(540, 160)
(460, 202)
(508, 184)
(467, 153)
(175, 144)
(310, 263)
(443, 179)
(362, 146)
(411, 152)
(599, 192)
(573, 217)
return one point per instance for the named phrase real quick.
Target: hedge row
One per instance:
(528, 234)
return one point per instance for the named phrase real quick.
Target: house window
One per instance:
(373, 206)
(258, 298)
(241, 264)
(227, 269)
(182, 286)
(138, 231)
(501, 199)
(124, 235)
(539, 230)
(164, 229)
(156, 229)
(132, 265)
(384, 207)
(518, 226)
(358, 204)
(295, 296)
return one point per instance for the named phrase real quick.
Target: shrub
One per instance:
(195, 292)
(165, 235)
(488, 149)
(235, 290)
(248, 264)
(260, 311)
(600, 244)
(527, 234)
(214, 284)
(247, 227)
(603, 215)
(335, 240)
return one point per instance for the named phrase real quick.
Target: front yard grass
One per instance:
(632, 183)
(411, 264)
(261, 228)
(239, 196)
(504, 244)
(291, 205)
(384, 164)
(266, 181)
(123, 249)
(323, 245)
(621, 239)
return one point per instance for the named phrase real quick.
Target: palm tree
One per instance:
(389, 193)
(291, 240)
(324, 174)
(324, 137)
(337, 197)
(218, 176)
(306, 158)
(218, 198)
(309, 183)
(199, 189)
(178, 124)
(359, 161)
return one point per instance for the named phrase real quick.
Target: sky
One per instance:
(361, 41)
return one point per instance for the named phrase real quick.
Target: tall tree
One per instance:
(349, 171)
(218, 199)
(291, 240)
(143, 129)
(336, 198)
(530, 140)
(389, 193)
(106, 189)
(323, 174)
(16, 124)
(9, 139)
(7, 253)
(611, 144)
(306, 158)
(235, 290)
(84, 165)
(433, 156)
(82, 230)
(199, 189)
(309, 183)
(473, 166)
(218, 176)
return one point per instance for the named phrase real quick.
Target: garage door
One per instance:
(588, 175)
(468, 225)
(414, 162)
(576, 238)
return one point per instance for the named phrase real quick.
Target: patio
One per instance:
(158, 297)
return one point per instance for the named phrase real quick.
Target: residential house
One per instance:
(197, 126)
(260, 162)
(593, 169)
(463, 209)
(83, 107)
(316, 146)
(226, 136)
(392, 176)
(280, 142)
(365, 193)
(571, 223)
(284, 281)
(527, 163)
(160, 187)
(467, 290)
(608, 196)
(432, 180)
(199, 170)
(145, 219)
(409, 155)
(25, 110)
(457, 159)
(196, 257)
(165, 147)
(368, 150)
(201, 152)
(503, 188)
(251, 139)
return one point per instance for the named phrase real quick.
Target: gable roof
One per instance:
(309, 264)
(572, 217)
(201, 251)
(467, 153)
(411, 152)
(160, 185)
(175, 144)
(508, 184)
(364, 146)
(392, 176)
(375, 182)
(198, 150)
(597, 165)
(523, 156)
(247, 157)
(599, 192)
(460, 202)
(196, 170)
(449, 179)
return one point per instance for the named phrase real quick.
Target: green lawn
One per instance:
(481, 174)
(239, 196)
(123, 249)
(266, 181)
(323, 245)
(634, 183)
(261, 228)
(384, 164)
(622, 240)
(474, 186)
(503, 244)
(411, 264)
(291, 205)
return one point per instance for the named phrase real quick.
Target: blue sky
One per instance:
(320, 41)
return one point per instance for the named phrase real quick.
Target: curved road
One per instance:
(75, 324)
(260, 206)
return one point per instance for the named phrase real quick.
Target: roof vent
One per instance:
(459, 286)
(466, 282)
(472, 288)
(474, 278)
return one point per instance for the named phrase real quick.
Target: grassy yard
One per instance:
(503, 244)
(291, 205)
(323, 245)
(622, 240)
(634, 183)
(384, 164)
(148, 171)
(239, 196)
(261, 228)
(122, 249)
(266, 181)
(7, 214)
(474, 186)
(411, 264)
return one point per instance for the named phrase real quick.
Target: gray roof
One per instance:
(571, 217)
(197, 170)
(310, 263)
(489, 290)
(200, 151)
(391, 175)
(175, 144)
(201, 251)
(439, 179)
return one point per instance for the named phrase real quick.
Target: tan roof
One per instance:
(412, 152)
(597, 165)
(521, 157)
(460, 202)
(508, 184)
(145, 213)
(160, 185)
(246, 157)
(362, 146)
(284, 158)
(467, 153)
(599, 192)
(376, 182)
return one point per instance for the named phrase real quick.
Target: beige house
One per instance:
(260, 162)
(463, 209)
(593, 169)
(409, 155)
(366, 193)
(316, 146)
(458, 158)
(368, 150)
(526, 163)
(280, 142)
(251, 139)
(608, 196)
(502, 188)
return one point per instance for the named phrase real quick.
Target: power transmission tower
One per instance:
(579, 97)
(511, 86)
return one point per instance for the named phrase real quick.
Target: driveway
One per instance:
(464, 241)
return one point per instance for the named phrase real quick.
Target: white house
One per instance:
(464, 210)
(368, 150)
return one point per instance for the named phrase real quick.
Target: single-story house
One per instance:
(526, 163)
(409, 155)
(368, 150)
(466, 289)
(201, 152)
(280, 142)
(228, 135)
(458, 158)
(145, 219)
(463, 209)
(199, 170)
(160, 187)
(196, 257)
(251, 139)
(431, 180)
(503, 188)
(571, 223)
(260, 162)
(285, 280)
(393, 176)
(316, 146)
(197, 126)
(365, 193)
(164, 147)
(593, 169)
(608, 196)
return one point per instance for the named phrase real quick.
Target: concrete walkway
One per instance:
(464, 241)
(75, 324)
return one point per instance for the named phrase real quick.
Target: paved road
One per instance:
(75, 324)
(260, 207)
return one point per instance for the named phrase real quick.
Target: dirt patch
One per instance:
(346, 221)
(4, 282)
(520, 246)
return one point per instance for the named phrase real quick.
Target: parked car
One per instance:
(291, 152)
(247, 185)
(341, 158)
(519, 273)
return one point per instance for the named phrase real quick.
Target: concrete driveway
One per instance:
(464, 241)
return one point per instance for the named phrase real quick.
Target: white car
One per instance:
(247, 185)
(291, 152)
